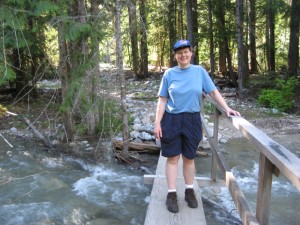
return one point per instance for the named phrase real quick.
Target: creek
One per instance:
(42, 187)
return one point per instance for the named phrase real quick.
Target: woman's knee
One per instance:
(173, 160)
(187, 161)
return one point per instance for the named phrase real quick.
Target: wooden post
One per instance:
(215, 140)
(264, 190)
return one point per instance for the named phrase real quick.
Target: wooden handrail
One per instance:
(273, 158)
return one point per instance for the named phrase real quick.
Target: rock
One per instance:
(13, 130)
(134, 134)
(72, 144)
(137, 121)
(206, 117)
(84, 143)
(59, 126)
(146, 120)
(223, 141)
(137, 140)
(148, 128)
(137, 127)
(145, 136)
(55, 142)
(204, 145)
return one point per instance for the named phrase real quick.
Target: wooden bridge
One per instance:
(274, 159)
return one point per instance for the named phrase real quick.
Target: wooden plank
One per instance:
(222, 164)
(264, 190)
(282, 158)
(236, 194)
(287, 162)
(240, 201)
(214, 163)
(157, 213)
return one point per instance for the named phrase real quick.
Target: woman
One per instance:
(178, 124)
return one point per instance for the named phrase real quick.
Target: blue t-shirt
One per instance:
(183, 88)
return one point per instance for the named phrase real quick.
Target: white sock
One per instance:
(171, 190)
(189, 186)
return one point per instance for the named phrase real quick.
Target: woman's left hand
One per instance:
(232, 112)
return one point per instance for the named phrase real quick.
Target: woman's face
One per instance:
(183, 57)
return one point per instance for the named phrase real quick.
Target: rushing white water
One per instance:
(40, 187)
(243, 158)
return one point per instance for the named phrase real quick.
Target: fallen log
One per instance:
(229, 94)
(137, 147)
(129, 159)
(37, 133)
(201, 153)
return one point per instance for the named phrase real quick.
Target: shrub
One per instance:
(281, 97)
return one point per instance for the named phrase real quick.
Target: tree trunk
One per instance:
(195, 31)
(192, 28)
(252, 35)
(20, 74)
(219, 5)
(224, 43)
(88, 77)
(64, 76)
(190, 34)
(293, 55)
(144, 47)
(272, 34)
(180, 23)
(267, 45)
(133, 36)
(33, 63)
(222, 58)
(75, 59)
(229, 63)
(122, 77)
(93, 113)
(242, 63)
(211, 41)
(172, 30)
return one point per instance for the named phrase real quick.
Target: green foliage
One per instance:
(45, 7)
(208, 108)
(7, 73)
(76, 30)
(110, 117)
(281, 97)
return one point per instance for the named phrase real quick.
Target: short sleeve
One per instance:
(163, 89)
(208, 84)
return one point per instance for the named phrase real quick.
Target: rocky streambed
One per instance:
(141, 102)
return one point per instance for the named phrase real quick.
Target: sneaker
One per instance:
(190, 198)
(171, 202)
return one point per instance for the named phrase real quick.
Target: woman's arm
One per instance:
(160, 110)
(216, 95)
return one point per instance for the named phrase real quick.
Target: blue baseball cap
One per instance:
(182, 44)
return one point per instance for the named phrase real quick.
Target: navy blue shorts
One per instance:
(181, 134)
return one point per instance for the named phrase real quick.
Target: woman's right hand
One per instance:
(157, 130)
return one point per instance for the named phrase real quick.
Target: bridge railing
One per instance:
(274, 159)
